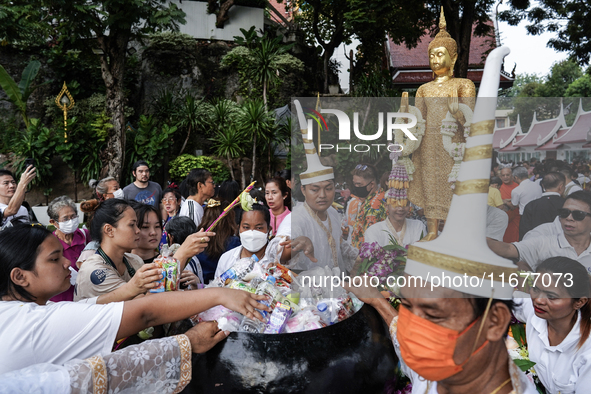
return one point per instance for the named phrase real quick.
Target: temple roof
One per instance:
(504, 136)
(579, 131)
(417, 57)
(553, 142)
(411, 66)
(542, 131)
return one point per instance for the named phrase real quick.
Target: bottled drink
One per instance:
(324, 313)
(251, 325)
(240, 268)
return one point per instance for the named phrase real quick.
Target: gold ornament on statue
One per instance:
(65, 102)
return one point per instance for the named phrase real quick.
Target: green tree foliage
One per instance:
(182, 165)
(36, 142)
(18, 94)
(256, 123)
(109, 24)
(261, 62)
(580, 87)
(569, 19)
(149, 142)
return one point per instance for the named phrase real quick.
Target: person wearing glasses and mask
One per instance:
(574, 242)
(372, 207)
(63, 215)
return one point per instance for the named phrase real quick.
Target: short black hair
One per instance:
(180, 227)
(581, 195)
(141, 210)
(139, 163)
(5, 172)
(195, 177)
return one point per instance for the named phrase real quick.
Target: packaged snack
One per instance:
(171, 269)
(278, 319)
(161, 283)
(239, 285)
(170, 265)
(306, 320)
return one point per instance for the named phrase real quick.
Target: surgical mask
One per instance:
(68, 227)
(360, 191)
(428, 348)
(118, 193)
(253, 240)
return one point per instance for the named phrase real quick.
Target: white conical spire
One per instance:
(461, 250)
(316, 172)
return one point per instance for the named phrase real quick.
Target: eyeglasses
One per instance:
(165, 200)
(577, 215)
(361, 167)
(68, 218)
(212, 182)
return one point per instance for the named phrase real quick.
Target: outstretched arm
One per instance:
(177, 305)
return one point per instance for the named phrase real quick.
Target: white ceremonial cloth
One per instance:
(524, 193)
(562, 368)
(305, 225)
(380, 232)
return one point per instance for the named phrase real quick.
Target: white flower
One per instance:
(172, 367)
(138, 356)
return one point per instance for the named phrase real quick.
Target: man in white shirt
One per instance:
(571, 186)
(13, 195)
(526, 191)
(574, 241)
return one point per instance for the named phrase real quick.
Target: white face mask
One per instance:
(253, 240)
(118, 193)
(69, 226)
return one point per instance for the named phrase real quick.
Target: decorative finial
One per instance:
(442, 23)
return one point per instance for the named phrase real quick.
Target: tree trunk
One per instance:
(222, 15)
(230, 165)
(461, 31)
(113, 70)
(269, 158)
(243, 176)
(186, 140)
(254, 157)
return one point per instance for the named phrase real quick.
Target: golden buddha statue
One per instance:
(430, 187)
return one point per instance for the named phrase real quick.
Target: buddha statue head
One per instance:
(443, 51)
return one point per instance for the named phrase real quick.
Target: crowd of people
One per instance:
(78, 298)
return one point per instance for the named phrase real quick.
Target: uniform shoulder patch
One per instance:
(98, 276)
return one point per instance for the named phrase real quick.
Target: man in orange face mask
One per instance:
(451, 342)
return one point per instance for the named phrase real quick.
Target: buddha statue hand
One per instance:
(454, 107)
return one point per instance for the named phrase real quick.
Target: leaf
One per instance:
(29, 74)
(11, 89)
(524, 365)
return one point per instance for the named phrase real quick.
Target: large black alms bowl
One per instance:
(353, 356)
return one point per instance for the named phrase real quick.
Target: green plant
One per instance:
(36, 142)
(182, 165)
(171, 41)
(19, 94)
(189, 117)
(255, 121)
(229, 143)
(149, 142)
